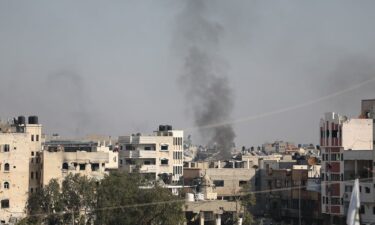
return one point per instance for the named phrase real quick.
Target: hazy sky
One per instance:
(110, 67)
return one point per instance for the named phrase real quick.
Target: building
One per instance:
(228, 177)
(155, 156)
(347, 148)
(63, 157)
(20, 147)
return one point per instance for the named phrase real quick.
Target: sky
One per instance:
(114, 67)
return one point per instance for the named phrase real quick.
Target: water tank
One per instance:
(21, 120)
(162, 128)
(33, 120)
(189, 197)
(169, 127)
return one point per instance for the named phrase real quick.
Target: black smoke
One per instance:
(204, 76)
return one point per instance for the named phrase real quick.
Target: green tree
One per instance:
(247, 201)
(121, 201)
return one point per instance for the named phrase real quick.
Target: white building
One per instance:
(20, 146)
(159, 155)
(347, 148)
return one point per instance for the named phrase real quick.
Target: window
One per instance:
(6, 148)
(219, 183)
(147, 148)
(242, 183)
(367, 189)
(6, 185)
(32, 175)
(362, 209)
(164, 147)
(32, 153)
(65, 166)
(373, 210)
(5, 203)
(95, 167)
(335, 201)
(334, 133)
(6, 167)
(348, 188)
(37, 137)
(164, 161)
(335, 177)
(32, 137)
(82, 166)
(120, 161)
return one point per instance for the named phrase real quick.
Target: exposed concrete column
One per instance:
(218, 219)
(201, 220)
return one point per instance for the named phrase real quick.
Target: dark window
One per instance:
(6, 185)
(95, 167)
(6, 148)
(5, 203)
(334, 133)
(82, 166)
(65, 166)
(242, 183)
(32, 153)
(219, 183)
(164, 161)
(147, 148)
(32, 137)
(322, 134)
(327, 133)
(373, 210)
(164, 147)
(32, 175)
(362, 209)
(37, 137)
(367, 189)
(6, 167)
(120, 161)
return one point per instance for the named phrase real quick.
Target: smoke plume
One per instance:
(204, 77)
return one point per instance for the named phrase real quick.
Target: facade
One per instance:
(90, 159)
(155, 156)
(228, 177)
(20, 164)
(347, 148)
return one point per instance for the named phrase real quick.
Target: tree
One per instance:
(55, 204)
(247, 201)
(121, 201)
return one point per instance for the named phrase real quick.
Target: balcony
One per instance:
(139, 154)
(147, 169)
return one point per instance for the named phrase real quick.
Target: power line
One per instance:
(183, 200)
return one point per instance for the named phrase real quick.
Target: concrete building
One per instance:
(63, 157)
(348, 153)
(228, 177)
(159, 155)
(20, 147)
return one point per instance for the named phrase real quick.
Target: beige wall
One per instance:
(22, 158)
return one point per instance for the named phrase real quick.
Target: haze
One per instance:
(114, 68)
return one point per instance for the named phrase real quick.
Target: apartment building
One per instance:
(347, 147)
(63, 157)
(20, 164)
(156, 156)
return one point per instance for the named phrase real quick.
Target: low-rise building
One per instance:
(63, 157)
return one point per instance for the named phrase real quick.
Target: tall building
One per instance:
(347, 148)
(159, 155)
(20, 164)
